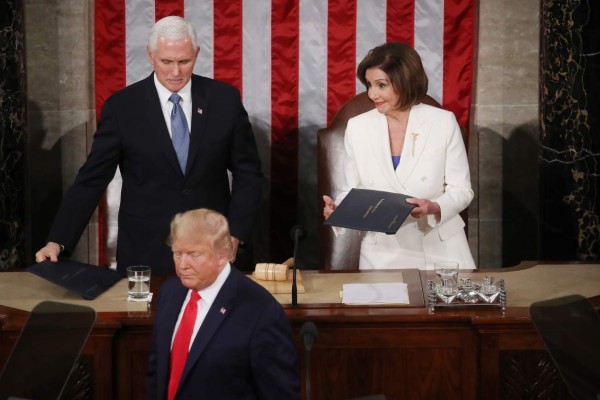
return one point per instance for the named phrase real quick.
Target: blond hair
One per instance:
(202, 226)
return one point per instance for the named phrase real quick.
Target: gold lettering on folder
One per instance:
(372, 209)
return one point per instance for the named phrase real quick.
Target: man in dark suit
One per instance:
(235, 341)
(139, 132)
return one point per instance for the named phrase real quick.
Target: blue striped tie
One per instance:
(180, 131)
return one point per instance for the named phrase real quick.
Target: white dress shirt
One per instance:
(207, 298)
(167, 106)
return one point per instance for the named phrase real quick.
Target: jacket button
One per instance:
(185, 192)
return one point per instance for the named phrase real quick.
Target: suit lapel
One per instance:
(217, 313)
(154, 114)
(380, 144)
(200, 112)
(418, 130)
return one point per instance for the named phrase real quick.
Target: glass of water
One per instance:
(447, 273)
(138, 277)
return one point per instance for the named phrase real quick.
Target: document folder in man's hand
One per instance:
(371, 210)
(87, 280)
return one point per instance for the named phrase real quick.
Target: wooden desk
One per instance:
(404, 351)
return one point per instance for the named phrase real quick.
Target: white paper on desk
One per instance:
(375, 293)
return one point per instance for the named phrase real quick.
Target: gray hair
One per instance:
(172, 28)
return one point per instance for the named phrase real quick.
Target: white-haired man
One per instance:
(173, 135)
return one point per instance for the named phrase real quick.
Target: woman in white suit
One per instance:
(407, 147)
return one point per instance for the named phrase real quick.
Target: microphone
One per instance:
(297, 234)
(308, 334)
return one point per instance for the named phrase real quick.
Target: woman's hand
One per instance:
(329, 206)
(425, 207)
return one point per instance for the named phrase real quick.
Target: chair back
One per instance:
(569, 326)
(341, 252)
(46, 352)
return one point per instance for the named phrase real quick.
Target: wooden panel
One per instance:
(529, 375)
(97, 355)
(515, 365)
(132, 351)
(400, 362)
(80, 384)
(402, 352)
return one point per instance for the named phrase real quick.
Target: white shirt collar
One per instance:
(210, 293)
(164, 93)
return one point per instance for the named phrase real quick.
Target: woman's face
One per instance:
(381, 91)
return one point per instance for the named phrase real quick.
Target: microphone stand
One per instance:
(294, 284)
(307, 374)
(297, 234)
(308, 334)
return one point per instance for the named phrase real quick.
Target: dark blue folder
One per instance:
(87, 280)
(371, 210)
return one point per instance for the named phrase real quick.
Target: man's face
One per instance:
(197, 264)
(173, 62)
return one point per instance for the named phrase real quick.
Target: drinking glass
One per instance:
(447, 273)
(139, 281)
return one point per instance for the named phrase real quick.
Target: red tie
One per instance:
(181, 344)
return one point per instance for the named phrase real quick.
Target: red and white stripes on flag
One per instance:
(294, 62)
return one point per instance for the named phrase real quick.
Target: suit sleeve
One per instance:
(151, 374)
(274, 357)
(351, 176)
(152, 369)
(457, 190)
(158, 361)
(82, 198)
(247, 182)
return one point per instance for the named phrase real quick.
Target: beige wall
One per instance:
(60, 99)
(59, 60)
(505, 121)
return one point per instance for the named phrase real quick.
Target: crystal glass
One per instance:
(489, 291)
(468, 291)
(447, 290)
(448, 270)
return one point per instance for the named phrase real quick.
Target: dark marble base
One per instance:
(570, 131)
(12, 135)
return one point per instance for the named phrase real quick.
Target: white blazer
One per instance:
(433, 166)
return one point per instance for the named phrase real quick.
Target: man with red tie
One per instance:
(217, 334)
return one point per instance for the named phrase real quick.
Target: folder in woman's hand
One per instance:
(371, 210)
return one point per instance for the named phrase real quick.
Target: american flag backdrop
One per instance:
(294, 62)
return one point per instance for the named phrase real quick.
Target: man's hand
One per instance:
(50, 251)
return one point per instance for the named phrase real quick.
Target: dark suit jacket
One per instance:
(133, 135)
(243, 350)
